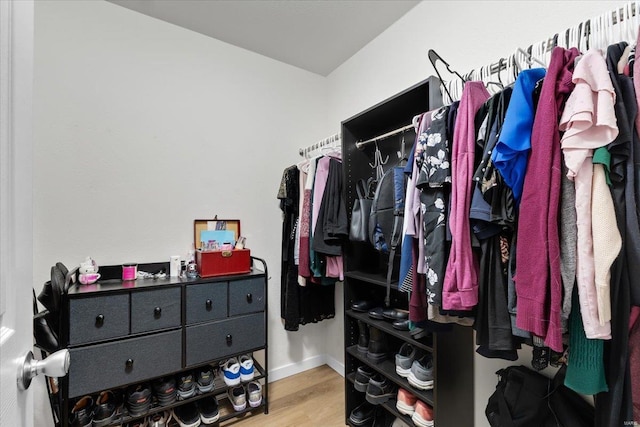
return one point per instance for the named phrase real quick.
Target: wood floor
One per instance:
(314, 398)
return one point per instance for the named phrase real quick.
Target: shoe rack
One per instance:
(123, 333)
(452, 396)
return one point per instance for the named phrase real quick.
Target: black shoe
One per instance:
(379, 390)
(377, 350)
(165, 390)
(204, 379)
(363, 375)
(138, 399)
(395, 314)
(82, 413)
(377, 313)
(186, 386)
(363, 337)
(208, 408)
(105, 409)
(187, 415)
(362, 305)
(401, 325)
(362, 414)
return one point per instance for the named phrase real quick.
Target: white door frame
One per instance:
(16, 216)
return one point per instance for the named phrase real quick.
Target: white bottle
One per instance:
(174, 266)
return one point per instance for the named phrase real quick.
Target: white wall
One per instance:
(467, 34)
(142, 126)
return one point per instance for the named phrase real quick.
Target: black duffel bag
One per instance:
(525, 398)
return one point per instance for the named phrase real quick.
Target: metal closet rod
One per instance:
(360, 144)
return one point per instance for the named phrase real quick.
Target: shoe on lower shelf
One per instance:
(254, 391)
(205, 379)
(187, 415)
(144, 422)
(159, 419)
(363, 375)
(406, 402)
(423, 415)
(208, 408)
(231, 372)
(421, 375)
(379, 390)
(165, 390)
(186, 386)
(362, 414)
(104, 410)
(237, 398)
(404, 359)
(138, 399)
(246, 368)
(82, 413)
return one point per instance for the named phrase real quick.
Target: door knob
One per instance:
(56, 365)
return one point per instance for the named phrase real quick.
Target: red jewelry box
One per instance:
(222, 263)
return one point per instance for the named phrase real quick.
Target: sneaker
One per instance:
(246, 368)
(186, 386)
(204, 379)
(423, 415)
(138, 399)
(362, 414)
(187, 415)
(363, 375)
(231, 372)
(406, 402)
(254, 390)
(82, 413)
(237, 398)
(421, 375)
(165, 390)
(379, 390)
(159, 419)
(208, 408)
(105, 409)
(144, 422)
(404, 359)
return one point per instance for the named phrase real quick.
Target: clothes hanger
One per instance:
(434, 58)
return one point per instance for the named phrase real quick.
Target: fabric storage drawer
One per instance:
(219, 339)
(206, 302)
(98, 318)
(103, 366)
(156, 309)
(246, 296)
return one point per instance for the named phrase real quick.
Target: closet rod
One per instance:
(360, 145)
(322, 143)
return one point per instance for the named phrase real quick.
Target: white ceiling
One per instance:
(315, 35)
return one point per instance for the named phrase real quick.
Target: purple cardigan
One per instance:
(460, 286)
(538, 280)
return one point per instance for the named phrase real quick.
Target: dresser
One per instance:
(121, 333)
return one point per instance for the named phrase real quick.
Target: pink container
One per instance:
(129, 271)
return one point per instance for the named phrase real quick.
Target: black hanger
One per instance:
(433, 58)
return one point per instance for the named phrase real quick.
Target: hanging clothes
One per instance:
(538, 255)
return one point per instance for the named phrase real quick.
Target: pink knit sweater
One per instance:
(538, 281)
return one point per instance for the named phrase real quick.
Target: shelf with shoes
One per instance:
(220, 391)
(423, 343)
(388, 369)
(380, 136)
(126, 333)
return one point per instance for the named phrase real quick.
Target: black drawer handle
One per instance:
(209, 304)
(157, 311)
(249, 298)
(229, 339)
(129, 364)
(99, 320)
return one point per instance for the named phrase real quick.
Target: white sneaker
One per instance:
(231, 372)
(237, 398)
(254, 390)
(246, 368)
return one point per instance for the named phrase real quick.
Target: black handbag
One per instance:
(359, 226)
(525, 398)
